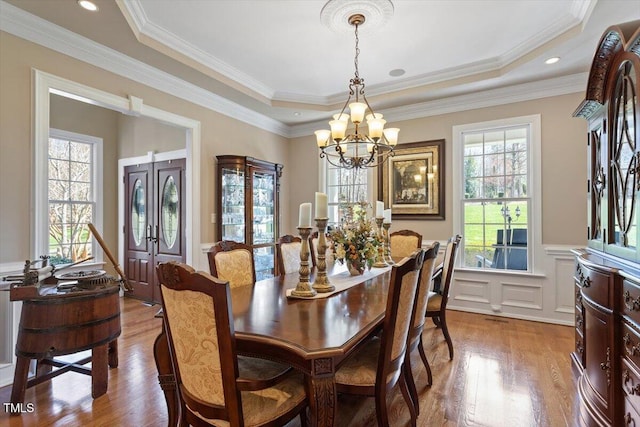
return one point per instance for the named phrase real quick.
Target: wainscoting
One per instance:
(546, 297)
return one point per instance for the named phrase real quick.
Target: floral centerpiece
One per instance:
(356, 240)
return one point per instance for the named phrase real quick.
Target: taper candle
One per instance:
(387, 216)
(304, 219)
(379, 209)
(322, 207)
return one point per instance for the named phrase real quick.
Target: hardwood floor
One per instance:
(505, 372)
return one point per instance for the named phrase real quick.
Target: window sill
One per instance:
(501, 272)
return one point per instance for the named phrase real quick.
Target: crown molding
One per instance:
(573, 83)
(22, 24)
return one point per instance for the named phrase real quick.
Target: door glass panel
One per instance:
(263, 208)
(138, 212)
(170, 212)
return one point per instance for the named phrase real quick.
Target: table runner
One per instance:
(343, 281)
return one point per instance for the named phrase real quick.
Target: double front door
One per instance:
(154, 223)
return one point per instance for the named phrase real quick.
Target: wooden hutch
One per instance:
(606, 359)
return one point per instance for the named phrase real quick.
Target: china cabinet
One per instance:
(606, 359)
(248, 207)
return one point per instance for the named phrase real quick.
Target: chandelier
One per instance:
(357, 149)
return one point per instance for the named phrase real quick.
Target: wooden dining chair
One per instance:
(404, 242)
(288, 254)
(212, 387)
(377, 366)
(232, 262)
(414, 339)
(313, 245)
(437, 303)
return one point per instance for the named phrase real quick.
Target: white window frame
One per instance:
(42, 246)
(534, 192)
(323, 180)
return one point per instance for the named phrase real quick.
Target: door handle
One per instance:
(150, 235)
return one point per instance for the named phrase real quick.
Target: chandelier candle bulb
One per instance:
(391, 135)
(379, 209)
(357, 111)
(322, 206)
(338, 129)
(304, 218)
(322, 136)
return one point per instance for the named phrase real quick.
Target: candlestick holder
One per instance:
(303, 288)
(380, 261)
(321, 283)
(387, 244)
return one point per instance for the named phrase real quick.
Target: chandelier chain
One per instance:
(355, 60)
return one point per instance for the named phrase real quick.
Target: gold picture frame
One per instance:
(411, 183)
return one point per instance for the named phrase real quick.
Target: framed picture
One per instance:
(411, 183)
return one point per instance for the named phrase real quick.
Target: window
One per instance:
(345, 187)
(497, 192)
(72, 194)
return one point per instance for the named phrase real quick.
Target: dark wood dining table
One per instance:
(314, 336)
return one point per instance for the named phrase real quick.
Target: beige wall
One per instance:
(139, 135)
(564, 218)
(220, 135)
(563, 151)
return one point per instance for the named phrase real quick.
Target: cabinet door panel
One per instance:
(599, 357)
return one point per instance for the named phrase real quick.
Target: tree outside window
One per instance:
(71, 199)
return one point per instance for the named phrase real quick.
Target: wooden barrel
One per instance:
(53, 326)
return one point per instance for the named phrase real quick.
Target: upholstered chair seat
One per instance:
(437, 304)
(262, 407)
(418, 321)
(215, 386)
(378, 365)
(361, 368)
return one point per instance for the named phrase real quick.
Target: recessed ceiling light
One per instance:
(297, 114)
(397, 72)
(89, 5)
(552, 60)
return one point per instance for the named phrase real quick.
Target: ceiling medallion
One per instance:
(336, 13)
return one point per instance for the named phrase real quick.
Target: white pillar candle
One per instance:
(304, 219)
(322, 207)
(387, 216)
(379, 209)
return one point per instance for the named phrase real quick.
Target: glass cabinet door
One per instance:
(233, 205)
(264, 223)
(263, 208)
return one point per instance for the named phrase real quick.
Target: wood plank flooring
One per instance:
(505, 372)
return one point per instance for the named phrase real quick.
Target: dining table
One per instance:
(313, 336)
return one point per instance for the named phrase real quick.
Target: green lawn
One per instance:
(483, 221)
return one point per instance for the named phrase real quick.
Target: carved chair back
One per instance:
(233, 262)
(404, 242)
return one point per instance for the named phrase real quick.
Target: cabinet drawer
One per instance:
(631, 417)
(630, 298)
(595, 285)
(631, 345)
(580, 345)
(631, 383)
